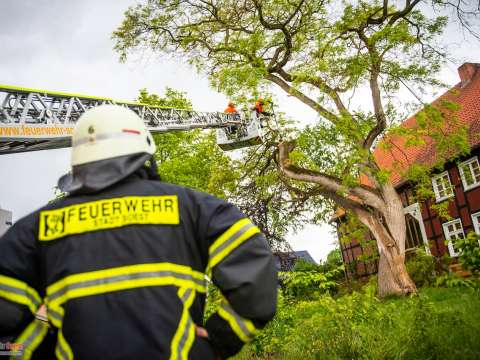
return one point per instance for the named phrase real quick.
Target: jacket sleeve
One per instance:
(241, 265)
(20, 295)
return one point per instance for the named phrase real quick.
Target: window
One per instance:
(470, 173)
(453, 230)
(476, 222)
(414, 233)
(442, 186)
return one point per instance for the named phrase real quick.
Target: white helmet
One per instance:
(109, 131)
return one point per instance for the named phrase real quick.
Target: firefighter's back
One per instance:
(116, 261)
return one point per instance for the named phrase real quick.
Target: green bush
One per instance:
(310, 283)
(437, 324)
(453, 281)
(334, 259)
(302, 265)
(421, 267)
(469, 249)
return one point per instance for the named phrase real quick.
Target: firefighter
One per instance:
(259, 108)
(121, 261)
(231, 109)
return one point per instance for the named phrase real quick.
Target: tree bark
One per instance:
(390, 234)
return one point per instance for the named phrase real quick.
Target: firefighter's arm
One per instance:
(241, 265)
(20, 297)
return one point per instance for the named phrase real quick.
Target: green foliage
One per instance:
(191, 158)
(310, 283)
(325, 53)
(442, 210)
(302, 266)
(454, 281)
(214, 298)
(172, 98)
(469, 249)
(421, 268)
(359, 326)
(334, 259)
(351, 229)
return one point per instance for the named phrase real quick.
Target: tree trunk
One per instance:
(390, 234)
(380, 209)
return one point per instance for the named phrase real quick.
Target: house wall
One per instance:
(462, 205)
(353, 254)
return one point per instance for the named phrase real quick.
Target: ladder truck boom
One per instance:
(32, 119)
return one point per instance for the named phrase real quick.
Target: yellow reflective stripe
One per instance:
(183, 339)
(189, 341)
(130, 284)
(242, 327)
(30, 338)
(122, 278)
(237, 234)
(55, 315)
(19, 292)
(63, 350)
(228, 234)
(123, 270)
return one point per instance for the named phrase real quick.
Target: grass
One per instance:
(440, 323)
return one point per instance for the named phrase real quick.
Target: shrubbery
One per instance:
(307, 284)
(319, 318)
(421, 267)
(469, 249)
(453, 280)
(438, 324)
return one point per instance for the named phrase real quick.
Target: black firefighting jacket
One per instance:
(123, 275)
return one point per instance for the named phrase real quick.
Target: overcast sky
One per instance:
(65, 46)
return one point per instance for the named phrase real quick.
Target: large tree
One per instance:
(345, 60)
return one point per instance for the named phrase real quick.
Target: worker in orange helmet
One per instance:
(231, 108)
(259, 107)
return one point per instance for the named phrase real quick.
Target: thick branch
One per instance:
(361, 195)
(378, 109)
(320, 84)
(303, 98)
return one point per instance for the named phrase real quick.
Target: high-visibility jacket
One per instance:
(230, 110)
(122, 273)
(259, 107)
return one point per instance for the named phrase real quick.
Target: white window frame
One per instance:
(435, 187)
(451, 249)
(414, 211)
(462, 175)
(476, 224)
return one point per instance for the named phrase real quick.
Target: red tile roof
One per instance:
(466, 93)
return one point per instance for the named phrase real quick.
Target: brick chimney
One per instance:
(466, 72)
